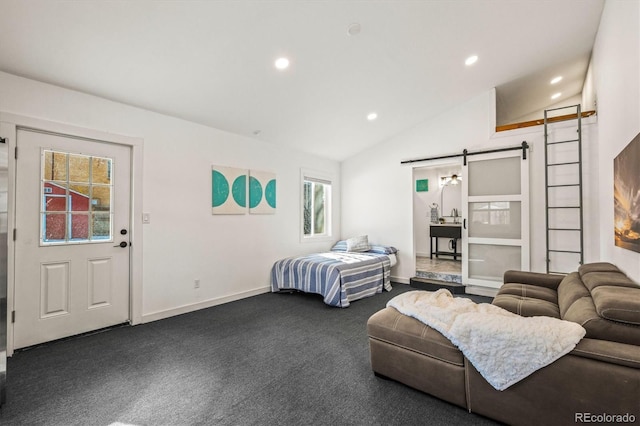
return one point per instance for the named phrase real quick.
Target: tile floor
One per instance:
(438, 265)
(439, 269)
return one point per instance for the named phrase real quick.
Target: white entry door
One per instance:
(495, 233)
(72, 256)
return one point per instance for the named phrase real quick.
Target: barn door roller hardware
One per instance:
(465, 153)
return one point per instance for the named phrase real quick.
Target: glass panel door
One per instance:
(495, 234)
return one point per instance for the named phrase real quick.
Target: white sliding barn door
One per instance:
(495, 233)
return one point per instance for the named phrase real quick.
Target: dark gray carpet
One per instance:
(272, 359)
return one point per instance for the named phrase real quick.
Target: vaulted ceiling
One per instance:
(212, 62)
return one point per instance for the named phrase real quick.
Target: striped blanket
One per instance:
(340, 277)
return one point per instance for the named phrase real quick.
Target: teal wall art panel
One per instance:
(228, 190)
(262, 192)
(422, 185)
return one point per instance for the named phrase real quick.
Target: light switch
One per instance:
(146, 218)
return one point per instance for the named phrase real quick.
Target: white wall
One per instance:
(378, 191)
(231, 254)
(616, 72)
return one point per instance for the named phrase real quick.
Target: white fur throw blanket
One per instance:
(504, 347)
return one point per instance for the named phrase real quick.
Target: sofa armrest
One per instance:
(534, 278)
(610, 352)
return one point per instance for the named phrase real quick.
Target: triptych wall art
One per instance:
(235, 190)
(626, 196)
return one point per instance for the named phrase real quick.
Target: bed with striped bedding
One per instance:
(340, 277)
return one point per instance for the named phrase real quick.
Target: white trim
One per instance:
(495, 198)
(496, 241)
(9, 124)
(483, 283)
(191, 307)
(431, 164)
(481, 291)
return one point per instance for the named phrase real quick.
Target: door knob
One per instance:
(123, 244)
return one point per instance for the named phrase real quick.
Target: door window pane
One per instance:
(101, 198)
(101, 170)
(78, 168)
(54, 202)
(79, 227)
(486, 181)
(55, 227)
(488, 262)
(75, 186)
(495, 219)
(101, 226)
(54, 166)
(79, 198)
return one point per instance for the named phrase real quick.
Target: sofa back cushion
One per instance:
(603, 273)
(570, 290)
(616, 296)
(603, 300)
(583, 311)
(618, 303)
(597, 267)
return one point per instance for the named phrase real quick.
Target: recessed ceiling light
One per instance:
(556, 95)
(354, 29)
(556, 79)
(471, 60)
(372, 116)
(282, 63)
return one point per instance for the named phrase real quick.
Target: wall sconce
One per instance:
(450, 180)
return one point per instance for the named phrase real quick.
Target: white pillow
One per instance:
(360, 243)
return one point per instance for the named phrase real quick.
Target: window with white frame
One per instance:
(316, 206)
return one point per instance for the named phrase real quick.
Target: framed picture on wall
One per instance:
(228, 190)
(626, 196)
(262, 192)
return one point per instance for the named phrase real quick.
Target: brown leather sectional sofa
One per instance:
(597, 382)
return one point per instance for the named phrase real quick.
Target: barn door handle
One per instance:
(123, 244)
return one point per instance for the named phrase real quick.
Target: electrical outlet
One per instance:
(196, 284)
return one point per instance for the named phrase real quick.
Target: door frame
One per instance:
(9, 125)
(433, 164)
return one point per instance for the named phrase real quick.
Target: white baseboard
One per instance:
(158, 315)
(481, 291)
(400, 280)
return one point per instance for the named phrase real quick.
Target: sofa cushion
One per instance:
(597, 274)
(531, 291)
(618, 303)
(526, 306)
(597, 267)
(593, 280)
(570, 290)
(583, 311)
(391, 326)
